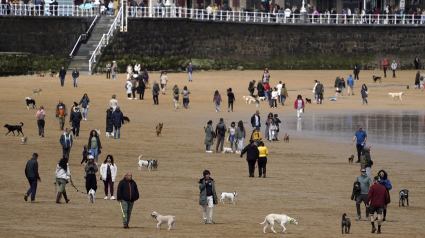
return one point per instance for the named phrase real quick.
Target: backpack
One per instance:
(176, 91)
(40, 117)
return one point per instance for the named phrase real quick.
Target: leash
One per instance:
(72, 184)
(123, 215)
(56, 189)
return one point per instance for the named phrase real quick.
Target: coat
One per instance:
(84, 102)
(109, 125)
(363, 91)
(252, 152)
(253, 121)
(141, 88)
(203, 192)
(104, 169)
(63, 142)
(260, 88)
(209, 139)
(129, 86)
(99, 145)
(75, 74)
(76, 117)
(117, 118)
(127, 191)
(155, 89)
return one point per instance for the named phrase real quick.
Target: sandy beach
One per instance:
(308, 178)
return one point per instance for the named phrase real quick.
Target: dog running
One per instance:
(308, 100)
(252, 100)
(396, 95)
(350, 159)
(24, 140)
(403, 195)
(36, 91)
(147, 163)
(31, 102)
(230, 196)
(159, 129)
(15, 128)
(345, 223)
(280, 219)
(163, 219)
(379, 79)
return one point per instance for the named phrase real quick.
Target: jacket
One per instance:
(75, 74)
(63, 138)
(363, 91)
(263, 151)
(253, 121)
(220, 128)
(41, 111)
(31, 169)
(217, 98)
(127, 190)
(337, 82)
(350, 81)
(251, 86)
(61, 173)
(256, 135)
(394, 66)
(104, 169)
(319, 88)
(109, 125)
(240, 134)
(252, 152)
(314, 88)
(85, 102)
(260, 89)
(76, 117)
(209, 138)
(90, 170)
(185, 93)
(356, 69)
(155, 89)
(117, 118)
(377, 196)
(61, 107)
(113, 103)
(284, 91)
(296, 104)
(203, 192)
(133, 84)
(189, 69)
(99, 145)
(385, 64)
(129, 86)
(62, 73)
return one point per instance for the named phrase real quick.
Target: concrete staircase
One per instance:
(82, 57)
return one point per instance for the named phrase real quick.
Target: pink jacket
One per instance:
(38, 113)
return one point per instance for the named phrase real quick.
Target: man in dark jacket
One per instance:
(251, 88)
(75, 120)
(207, 195)
(62, 74)
(117, 121)
(356, 72)
(66, 142)
(377, 199)
(75, 75)
(220, 131)
(127, 194)
(109, 125)
(255, 121)
(155, 92)
(252, 155)
(31, 172)
(319, 92)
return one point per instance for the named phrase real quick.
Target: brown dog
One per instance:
(159, 129)
(286, 138)
(345, 223)
(350, 160)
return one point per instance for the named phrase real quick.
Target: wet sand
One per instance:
(308, 179)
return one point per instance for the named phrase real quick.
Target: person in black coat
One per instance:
(117, 121)
(254, 123)
(416, 62)
(62, 74)
(141, 88)
(260, 88)
(109, 125)
(75, 120)
(127, 194)
(251, 88)
(252, 155)
(356, 72)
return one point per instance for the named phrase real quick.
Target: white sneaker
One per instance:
(135, 98)
(112, 198)
(106, 198)
(209, 151)
(129, 98)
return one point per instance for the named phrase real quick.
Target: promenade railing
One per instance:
(50, 10)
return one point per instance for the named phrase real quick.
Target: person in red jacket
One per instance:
(377, 199)
(385, 66)
(299, 105)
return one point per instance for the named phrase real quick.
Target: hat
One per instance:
(91, 157)
(251, 141)
(376, 178)
(35, 154)
(206, 172)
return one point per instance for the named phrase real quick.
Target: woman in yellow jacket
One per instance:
(262, 160)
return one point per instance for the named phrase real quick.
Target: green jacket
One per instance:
(209, 139)
(203, 192)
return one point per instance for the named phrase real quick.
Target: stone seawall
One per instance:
(44, 42)
(171, 44)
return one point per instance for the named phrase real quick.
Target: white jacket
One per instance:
(314, 88)
(60, 173)
(104, 169)
(129, 86)
(113, 103)
(394, 66)
(274, 95)
(137, 67)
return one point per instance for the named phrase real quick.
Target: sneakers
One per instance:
(359, 218)
(208, 151)
(106, 198)
(205, 221)
(366, 219)
(212, 222)
(112, 198)
(34, 201)
(42, 134)
(216, 110)
(135, 98)
(26, 197)
(373, 230)
(129, 98)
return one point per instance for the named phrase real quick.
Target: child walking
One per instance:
(86, 154)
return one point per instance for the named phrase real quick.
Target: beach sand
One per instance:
(307, 179)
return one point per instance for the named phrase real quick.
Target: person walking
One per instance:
(356, 71)
(319, 92)
(108, 70)
(342, 86)
(360, 137)
(66, 142)
(377, 200)
(364, 93)
(127, 194)
(61, 113)
(251, 88)
(62, 174)
(109, 124)
(128, 87)
(75, 75)
(207, 195)
(365, 160)
(94, 145)
(365, 183)
(384, 67)
(220, 131)
(176, 92)
(232, 136)
(40, 115)
(383, 180)
(299, 105)
(283, 94)
(75, 120)
(84, 102)
(252, 154)
(114, 68)
(141, 88)
(217, 100)
(255, 121)
(270, 127)
(117, 121)
(417, 80)
(256, 137)
(91, 170)
(278, 90)
(113, 102)
(129, 71)
(416, 62)
(155, 92)
(262, 159)
(240, 137)
(190, 71)
(314, 90)
(31, 172)
(274, 96)
(209, 137)
(277, 121)
(62, 74)
(108, 173)
(350, 83)
(164, 80)
(185, 93)
(394, 67)
(133, 86)
(231, 99)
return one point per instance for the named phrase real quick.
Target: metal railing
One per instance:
(50, 10)
(105, 39)
(85, 36)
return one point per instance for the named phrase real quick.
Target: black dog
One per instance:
(14, 128)
(30, 101)
(308, 100)
(375, 78)
(345, 223)
(403, 195)
(356, 191)
(126, 119)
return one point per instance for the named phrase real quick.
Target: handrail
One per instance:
(75, 46)
(87, 35)
(92, 24)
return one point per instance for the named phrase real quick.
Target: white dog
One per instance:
(261, 98)
(109, 134)
(229, 196)
(92, 196)
(396, 95)
(97, 131)
(227, 150)
(281, 219)
(147, 163)
(162, 219)
(252, 100)
(176, 104)
(24, 140)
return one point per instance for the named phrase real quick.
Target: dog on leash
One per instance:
(345, 223)
(396, 95)
(403, 195)
(24, 140)
(350, 159)
(154, 164)
(92, 196)
(230, 196)
(163, 219)
(308, 100)
(36, 91)
(252, 100)
(379, 79)
(280, 219)
(14, 128)
(147, 163)
(286, 138)
(176, 104)
(227, 150)
(31, 102)
(159, 129)
(126, 119)
(109, 134)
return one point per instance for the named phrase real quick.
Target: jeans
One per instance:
(127, 207)
(217, 106)
(190, 76)
(232, 139)
(283, 99)
(210, 204)
(364, 100)
(361, 198)
(208, 147)
(95, 153)
(114, 76)
(393, 73)
(185, 102)
(115, 132)
(342, 91)
(85, 113)
(75, 82)
(40, 124)
(359, 151)
(76, 128)
(368, 171)
(62, 80)
(266, 94)
(111, 186)
(315, 96)
(33, 188)
(220, 140)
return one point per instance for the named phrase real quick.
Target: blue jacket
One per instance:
(85, 102)
(387, 183)
(350, 81)
(63, 142)
(189, 69)
(117, 118)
